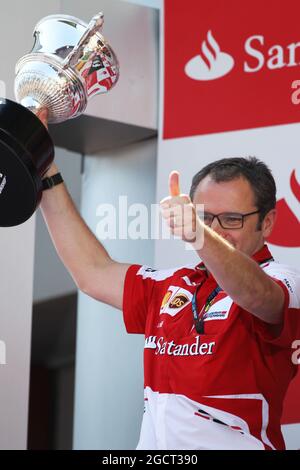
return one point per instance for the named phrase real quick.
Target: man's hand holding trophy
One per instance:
(69, 63)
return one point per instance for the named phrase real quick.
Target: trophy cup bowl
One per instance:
(70, 62)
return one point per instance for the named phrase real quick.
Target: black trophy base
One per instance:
(26, 151)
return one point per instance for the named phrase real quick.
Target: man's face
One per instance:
(234, 196)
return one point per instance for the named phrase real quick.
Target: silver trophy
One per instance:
(69, 63)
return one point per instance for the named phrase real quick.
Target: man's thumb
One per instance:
(174, 189)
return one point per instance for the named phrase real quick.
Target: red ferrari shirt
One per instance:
(222, 389)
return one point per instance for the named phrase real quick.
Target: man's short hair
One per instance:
(252, 169)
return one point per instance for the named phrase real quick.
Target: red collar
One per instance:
(262, 255)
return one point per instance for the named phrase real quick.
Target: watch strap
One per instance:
(51, 181)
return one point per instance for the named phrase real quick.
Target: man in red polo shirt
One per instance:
(218, 335)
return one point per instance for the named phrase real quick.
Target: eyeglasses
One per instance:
(229, 220)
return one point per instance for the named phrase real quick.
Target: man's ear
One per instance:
(268, 223)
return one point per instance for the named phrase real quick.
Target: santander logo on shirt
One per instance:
(170, 348)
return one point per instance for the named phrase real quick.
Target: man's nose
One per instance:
(216, 226)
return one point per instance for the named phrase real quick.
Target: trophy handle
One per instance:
(94, 26)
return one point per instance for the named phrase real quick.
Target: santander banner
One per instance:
(287, 229)
(229, 56)
(231, 87)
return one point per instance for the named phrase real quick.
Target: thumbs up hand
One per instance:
(174, 189)
(179, 211)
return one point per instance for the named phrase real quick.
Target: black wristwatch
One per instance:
(51, 181)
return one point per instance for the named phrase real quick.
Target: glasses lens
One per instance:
(231, 220)
(206, 217)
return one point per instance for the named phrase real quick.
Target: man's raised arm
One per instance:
(89, 264)
(239, 275)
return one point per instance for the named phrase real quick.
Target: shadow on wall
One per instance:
(52, 377)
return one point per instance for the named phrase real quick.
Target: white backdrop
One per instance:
(278, 146)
